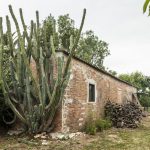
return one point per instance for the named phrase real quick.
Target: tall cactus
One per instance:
(34, 99)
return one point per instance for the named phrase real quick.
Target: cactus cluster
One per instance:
(34, 98)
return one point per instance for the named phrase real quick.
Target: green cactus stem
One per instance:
(39, 77)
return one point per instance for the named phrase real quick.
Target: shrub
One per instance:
(90, 128)
(103, 124)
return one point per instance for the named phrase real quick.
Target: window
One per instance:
(91, 93)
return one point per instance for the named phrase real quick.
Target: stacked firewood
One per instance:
(126, 115)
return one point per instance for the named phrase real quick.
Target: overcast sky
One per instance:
(120, 23)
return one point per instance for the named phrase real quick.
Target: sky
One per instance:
(121, 23)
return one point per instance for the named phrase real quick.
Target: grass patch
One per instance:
(111, 139)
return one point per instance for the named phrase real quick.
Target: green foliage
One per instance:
(90, 48)
(142, 83)
(34, 99)
(49, 25)
(65, 30)
(137, 79)
(146, 5)
(103, 124)
(90, 128)
(96, 125)
(114, 73)
(145, 100)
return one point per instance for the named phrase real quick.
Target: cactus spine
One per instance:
(34, 99)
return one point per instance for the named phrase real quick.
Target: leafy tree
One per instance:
(66, 29)
(114, 73)
(50, 29)
(137, 79)
(90, 48)
(145, 101)
(142, 83)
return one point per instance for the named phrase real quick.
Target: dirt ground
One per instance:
(112, 139)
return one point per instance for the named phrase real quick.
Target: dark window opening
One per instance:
(91, 93)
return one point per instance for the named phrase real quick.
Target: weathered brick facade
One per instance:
(76, 107)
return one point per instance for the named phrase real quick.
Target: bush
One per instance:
(145, 100)
(90, 128)
(93, 126)
(103, 124)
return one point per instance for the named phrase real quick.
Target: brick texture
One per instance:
(76, 108)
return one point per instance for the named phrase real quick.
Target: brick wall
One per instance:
(76, 108)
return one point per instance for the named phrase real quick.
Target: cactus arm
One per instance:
(60, 68)
(1, 74)
(28, 93)
(1, 49)
(24, 25)
(14, 108)
(26, 33)
(24, 54)
(31, 31)
(48, 89)
(52, 46)
(53, 95)
(43, 88)
(13, 78)
(48, 54)
(37, 97)
(11, 46)
(19, 59)
(38, 34)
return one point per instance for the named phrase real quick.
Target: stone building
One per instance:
(88, 91)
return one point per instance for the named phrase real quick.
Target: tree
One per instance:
(50, 29)
(142, 83)
(114, 73)
(90, 48)
(66, 29)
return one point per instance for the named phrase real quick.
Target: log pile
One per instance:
(127, 115)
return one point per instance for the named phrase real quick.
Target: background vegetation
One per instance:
(142, 83)
(90, 47)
